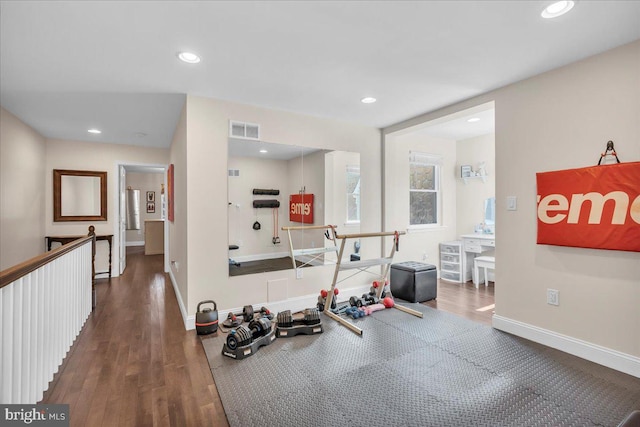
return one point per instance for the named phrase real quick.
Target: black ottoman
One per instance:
(414, 281)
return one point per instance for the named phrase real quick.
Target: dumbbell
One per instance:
(311, 317)
(322, 299)
(376, 284)
(244, 335)
(370, 299)
(354, 312)
(247, 315)
(356, 302)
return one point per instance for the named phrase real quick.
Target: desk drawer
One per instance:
(472, 247)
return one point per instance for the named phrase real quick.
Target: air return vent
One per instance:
(234, 172)
(244, 130)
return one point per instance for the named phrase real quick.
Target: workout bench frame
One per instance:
(310, 251)
(361, 265)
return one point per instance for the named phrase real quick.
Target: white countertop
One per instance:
(479, 236)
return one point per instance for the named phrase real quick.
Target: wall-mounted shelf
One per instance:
(482, 177)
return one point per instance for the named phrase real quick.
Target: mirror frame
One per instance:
(57, 192)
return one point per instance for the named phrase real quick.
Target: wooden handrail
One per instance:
(12, 274)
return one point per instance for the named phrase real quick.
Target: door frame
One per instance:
(117, 197)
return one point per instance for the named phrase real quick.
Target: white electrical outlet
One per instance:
(553, 297)
(424, 256)
(298, 273)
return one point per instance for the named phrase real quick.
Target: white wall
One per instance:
(22, 191)
(335, 208)
(178, 242)
(559, 120)
(470, 196)
(205, 166)
(256, 173)
(419, 243)
(144, 182)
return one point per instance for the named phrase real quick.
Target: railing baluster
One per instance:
(7, 343)
(25, 378)
(42, 311)
(39, 335)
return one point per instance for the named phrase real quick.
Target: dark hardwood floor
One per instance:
(134, 364)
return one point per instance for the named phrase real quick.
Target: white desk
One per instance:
(472, 246)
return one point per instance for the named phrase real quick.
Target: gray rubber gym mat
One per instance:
(441, 370)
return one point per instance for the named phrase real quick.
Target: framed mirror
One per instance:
(490, 211)
(79, 195)
(327, 180)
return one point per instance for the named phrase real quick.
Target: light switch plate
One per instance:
(512, 203)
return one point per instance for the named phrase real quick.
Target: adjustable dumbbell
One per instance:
(286, 320)
(244, 335)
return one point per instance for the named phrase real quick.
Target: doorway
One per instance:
(141, 204)
(438, 176)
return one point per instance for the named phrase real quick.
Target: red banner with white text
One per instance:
(301, 208)
(594, 207)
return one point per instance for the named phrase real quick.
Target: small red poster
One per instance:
(301, 208)
(594, 207)
(170, 196)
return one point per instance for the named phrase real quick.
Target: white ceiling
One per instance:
(66, 66)
(274, 151)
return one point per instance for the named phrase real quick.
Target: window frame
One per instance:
(435, 161)
(352, 169)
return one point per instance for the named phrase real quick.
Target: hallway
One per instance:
(134, 364)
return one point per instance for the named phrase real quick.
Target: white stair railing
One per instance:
(44, 303)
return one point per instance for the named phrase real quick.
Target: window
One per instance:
(424, 189)
(353, 193)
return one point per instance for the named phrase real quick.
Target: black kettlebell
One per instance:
(207, 319)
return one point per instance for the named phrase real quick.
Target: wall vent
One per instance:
(234, 172)
(244, 130)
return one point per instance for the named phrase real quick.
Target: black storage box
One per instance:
(414, 281)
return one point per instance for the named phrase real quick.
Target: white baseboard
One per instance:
(604, 356)
(137, 243)
(257, 257)
(183, 310)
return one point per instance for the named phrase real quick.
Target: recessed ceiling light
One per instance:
(96, 131)
(263, 151)
(558, 8)
(189, 57)
(368, 100)
(473, 119)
